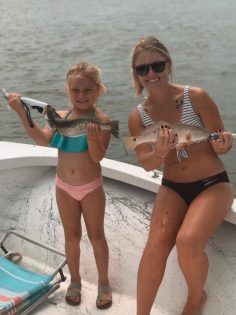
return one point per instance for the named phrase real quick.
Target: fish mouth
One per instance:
(46, 108)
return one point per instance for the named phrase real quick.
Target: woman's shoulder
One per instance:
(134, 120)
(134, 114)
(192, 90)
(200, 98)
(196, 92)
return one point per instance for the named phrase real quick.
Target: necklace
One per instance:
(178, 103)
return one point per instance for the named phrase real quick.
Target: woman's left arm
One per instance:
(209, 113)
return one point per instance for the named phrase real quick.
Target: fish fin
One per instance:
(129, 143)
(115, 128)
(179, 146)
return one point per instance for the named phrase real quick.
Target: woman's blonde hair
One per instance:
(87, 70)
(149, 43)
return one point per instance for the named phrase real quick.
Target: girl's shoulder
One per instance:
(101, 115)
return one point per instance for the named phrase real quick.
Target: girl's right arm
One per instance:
(41, 136)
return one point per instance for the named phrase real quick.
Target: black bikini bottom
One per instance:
(188, 191)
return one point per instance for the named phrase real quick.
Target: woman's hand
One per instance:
(166, 141)
(224, 143)
(14, 102)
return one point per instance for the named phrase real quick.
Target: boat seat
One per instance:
(22, 289)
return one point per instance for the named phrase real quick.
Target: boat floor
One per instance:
(29, 207)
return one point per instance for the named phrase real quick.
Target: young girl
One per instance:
(195, 194)
(79, 183)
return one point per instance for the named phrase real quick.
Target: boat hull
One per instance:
(28, 205)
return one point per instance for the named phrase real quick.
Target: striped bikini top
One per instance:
(188, 116)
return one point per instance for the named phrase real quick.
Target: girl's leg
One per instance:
(204, 216)
(93, 207)
(70, 213)
(168, 213)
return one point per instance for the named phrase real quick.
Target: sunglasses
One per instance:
(158, 67)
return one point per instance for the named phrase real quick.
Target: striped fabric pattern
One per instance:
(188, 116)
(18, 285)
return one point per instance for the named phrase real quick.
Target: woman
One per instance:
(195, 194)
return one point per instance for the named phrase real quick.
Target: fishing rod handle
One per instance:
(32, 102)
(215, 136)
(27, 101)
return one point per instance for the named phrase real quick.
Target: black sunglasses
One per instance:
(158, 67)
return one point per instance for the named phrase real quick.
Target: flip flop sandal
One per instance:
(73, 291)
(104, 295)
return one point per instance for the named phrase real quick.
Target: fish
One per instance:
(75, 127)
(187, 134)
(66, 127)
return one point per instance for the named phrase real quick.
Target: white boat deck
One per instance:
(27, 204)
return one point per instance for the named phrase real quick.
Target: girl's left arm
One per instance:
(98, 140)
(209, 113)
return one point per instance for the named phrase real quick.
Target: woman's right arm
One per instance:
(41, 136)
(151, 158)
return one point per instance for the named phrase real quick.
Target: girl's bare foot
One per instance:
(195, 308)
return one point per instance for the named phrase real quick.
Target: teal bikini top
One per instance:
(69, 144)
(75, 144)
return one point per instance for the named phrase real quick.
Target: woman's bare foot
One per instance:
(195, 308)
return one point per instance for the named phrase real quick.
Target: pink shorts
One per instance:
(79, 192)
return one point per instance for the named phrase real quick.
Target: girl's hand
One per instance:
(166, 141)
(224, 143)
(93, 131)
(97, 141)
(14, 102)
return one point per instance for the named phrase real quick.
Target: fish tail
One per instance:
(115, 128)
(129, 143)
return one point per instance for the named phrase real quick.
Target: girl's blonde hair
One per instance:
(87, 70)
(149, 43)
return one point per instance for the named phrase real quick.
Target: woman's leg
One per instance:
(204, 216)
(93, 207)
(70, 213)
(168, 213)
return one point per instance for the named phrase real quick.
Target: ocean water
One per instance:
(39, 40)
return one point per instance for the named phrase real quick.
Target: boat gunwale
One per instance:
(18, 155)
